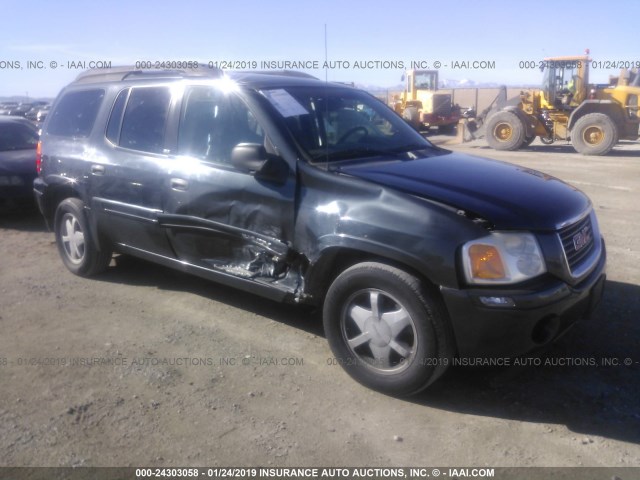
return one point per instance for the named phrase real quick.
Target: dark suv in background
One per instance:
(310, 192)
(18, 142)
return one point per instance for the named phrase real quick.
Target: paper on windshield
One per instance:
(284, 102)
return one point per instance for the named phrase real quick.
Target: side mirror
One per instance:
(253, 158)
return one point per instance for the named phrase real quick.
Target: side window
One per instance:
(75, 114)
(145, 118)
(212, 122)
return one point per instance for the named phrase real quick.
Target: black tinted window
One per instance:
(17, 137)
(145, 119)
(75, 113)
(213, 122)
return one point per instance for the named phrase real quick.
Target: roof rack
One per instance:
(284, 73)
(117, 74)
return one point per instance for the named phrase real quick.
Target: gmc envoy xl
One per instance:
(304, 191)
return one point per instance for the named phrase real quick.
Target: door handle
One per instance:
(97, 169)
(179, 184)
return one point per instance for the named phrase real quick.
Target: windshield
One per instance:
(561, 81)
(17, 137)
(426, 80)
(332, 124)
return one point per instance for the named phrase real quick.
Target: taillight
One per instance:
(39, 158)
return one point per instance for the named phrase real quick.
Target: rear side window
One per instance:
(145, 119)
(75, 113)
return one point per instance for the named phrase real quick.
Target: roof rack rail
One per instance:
(116, 74)
(285, 73)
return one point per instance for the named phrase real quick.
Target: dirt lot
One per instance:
(147, 366)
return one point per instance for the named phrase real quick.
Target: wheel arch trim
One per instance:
(57, 190)
(342, 252)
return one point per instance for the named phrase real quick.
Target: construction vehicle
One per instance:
(593, 117)
(422, 106)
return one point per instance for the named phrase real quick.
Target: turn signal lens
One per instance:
(486, 262)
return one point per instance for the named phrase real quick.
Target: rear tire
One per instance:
(505, 131)
(594, 134)
(386, 329)
(73, 237)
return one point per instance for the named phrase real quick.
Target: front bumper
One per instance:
(537, 318)
(434, 120)
(15, 186)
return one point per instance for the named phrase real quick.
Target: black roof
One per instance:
(18, 120)
(274, 78)
(118, 74)
(254, 79)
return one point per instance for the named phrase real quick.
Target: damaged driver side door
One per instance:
(230, 198)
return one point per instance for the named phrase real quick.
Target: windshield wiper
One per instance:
(413, 146)
(354, 153)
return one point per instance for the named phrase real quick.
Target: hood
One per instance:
(508, 196)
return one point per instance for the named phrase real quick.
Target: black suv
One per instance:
(310, 192)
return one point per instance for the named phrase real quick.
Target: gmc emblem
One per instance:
(582, 238)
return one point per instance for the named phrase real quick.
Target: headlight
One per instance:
(501, 258)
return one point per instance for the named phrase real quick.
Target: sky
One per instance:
(44, 45)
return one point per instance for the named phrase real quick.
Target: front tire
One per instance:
(73, 237)
(505, 131)
(386, 329)
(594, 134)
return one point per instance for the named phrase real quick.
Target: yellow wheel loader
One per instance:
(567, 107)
(423, 106)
